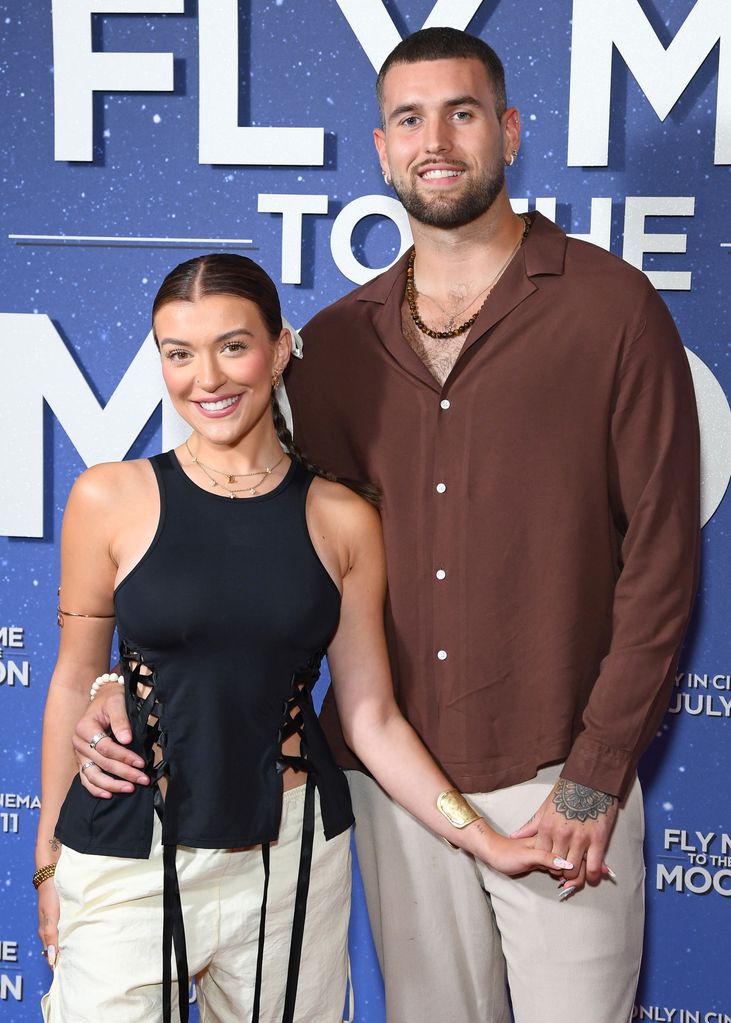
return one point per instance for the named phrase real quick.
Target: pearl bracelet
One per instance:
(102, 681)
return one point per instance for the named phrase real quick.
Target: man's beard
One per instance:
(448, 212)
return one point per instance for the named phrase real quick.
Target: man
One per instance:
(524, 404)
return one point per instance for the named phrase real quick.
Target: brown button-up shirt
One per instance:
(540, 510)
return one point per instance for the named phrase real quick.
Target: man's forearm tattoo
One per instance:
(54, 843)
(579, 802)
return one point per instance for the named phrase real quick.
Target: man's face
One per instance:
(443, 144)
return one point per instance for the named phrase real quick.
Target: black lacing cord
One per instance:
(173, 934)
(300, 902)
(293, 724)
(262, 930)
(173, 930)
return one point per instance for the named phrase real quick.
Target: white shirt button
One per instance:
(441, 574)
(442, 655)
(445, 403)
(441, 487)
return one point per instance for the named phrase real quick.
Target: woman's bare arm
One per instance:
(372, 723)
(87, 584)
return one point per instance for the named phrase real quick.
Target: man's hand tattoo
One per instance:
(579, 802)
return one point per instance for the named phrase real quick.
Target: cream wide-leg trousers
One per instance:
(110, 960)
(448, 929)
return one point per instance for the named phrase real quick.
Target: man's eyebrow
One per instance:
(236, 332)
(404, 108)
(409, 108)
(463, 101)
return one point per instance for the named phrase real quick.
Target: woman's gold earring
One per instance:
(275, 381)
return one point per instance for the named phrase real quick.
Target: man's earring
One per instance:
(513, 157)
(387, 177)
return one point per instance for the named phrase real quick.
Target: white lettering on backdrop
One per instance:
(38, 367)
(79, 72)
(662, 74)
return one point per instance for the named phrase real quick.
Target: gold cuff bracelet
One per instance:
(453, 805)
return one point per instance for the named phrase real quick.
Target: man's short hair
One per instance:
(442, 43)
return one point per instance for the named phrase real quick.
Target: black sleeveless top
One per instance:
(231, 610)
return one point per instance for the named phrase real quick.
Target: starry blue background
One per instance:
(301, 65)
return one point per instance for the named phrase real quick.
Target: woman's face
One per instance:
(218, 361)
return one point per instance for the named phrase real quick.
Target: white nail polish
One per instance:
(566, 893)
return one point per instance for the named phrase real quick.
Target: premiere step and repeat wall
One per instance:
(138, 133)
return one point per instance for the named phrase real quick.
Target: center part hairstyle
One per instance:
(223, 273)
(446, 44)
(228, 273)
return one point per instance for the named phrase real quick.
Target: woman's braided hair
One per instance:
(227, 273)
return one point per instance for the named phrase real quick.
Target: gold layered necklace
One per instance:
(231, 477)
(411, 292)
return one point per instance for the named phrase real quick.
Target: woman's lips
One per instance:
(217, 408)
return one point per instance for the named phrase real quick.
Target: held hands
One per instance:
(510, 856)
(514, 856)
(106, 766)
(575, 823)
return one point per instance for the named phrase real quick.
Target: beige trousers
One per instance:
(110, 960)
(449, 930)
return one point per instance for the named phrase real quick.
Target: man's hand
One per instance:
(114, 768)
(575, 822)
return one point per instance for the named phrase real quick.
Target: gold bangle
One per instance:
(61, 614)
(43, 874)
(453, 805)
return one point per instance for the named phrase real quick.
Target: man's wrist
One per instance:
(581, 803)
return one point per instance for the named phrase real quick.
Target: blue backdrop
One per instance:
(138, 133)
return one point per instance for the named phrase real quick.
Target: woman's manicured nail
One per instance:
(562, 864)
(566, 893)
(609, 872)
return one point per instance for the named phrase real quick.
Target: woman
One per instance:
(229, 566)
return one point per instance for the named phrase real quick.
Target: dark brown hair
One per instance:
(223, 273)
(442, 43)
(227, 273)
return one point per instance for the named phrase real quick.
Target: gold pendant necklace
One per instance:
(233, 476)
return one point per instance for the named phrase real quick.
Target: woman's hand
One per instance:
(48, 913)
(514, 856)
(113, 768)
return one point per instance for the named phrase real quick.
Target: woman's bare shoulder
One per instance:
(339, 511)
(338, 499)
(101, 487)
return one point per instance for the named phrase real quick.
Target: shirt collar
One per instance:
(544, 252)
